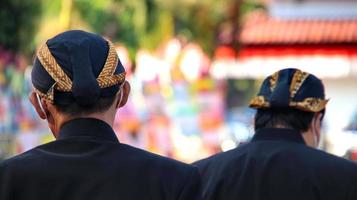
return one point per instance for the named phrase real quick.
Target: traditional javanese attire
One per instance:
(277, 164)
(87, 161)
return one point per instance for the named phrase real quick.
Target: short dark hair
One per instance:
(74, 109)
(286, 117)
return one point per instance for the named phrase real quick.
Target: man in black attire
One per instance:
(79, 83)
(281, 161)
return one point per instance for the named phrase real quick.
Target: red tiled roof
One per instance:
(226, 52)
(260, 29)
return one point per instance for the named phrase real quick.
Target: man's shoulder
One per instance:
(29, 156)
(320, 157)
(162, 168)
(126, 152)
(222, 157)
(154, 159)
(17, 162)
(294, 152)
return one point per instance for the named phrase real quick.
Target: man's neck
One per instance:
(106, 117)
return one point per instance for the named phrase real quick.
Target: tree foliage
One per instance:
(18, 22)
(134, 23)
(146, 23)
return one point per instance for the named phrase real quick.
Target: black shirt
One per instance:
(88, 162)
(275, 165)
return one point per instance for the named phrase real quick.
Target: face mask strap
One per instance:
(40, 104)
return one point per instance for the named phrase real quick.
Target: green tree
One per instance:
(140, 23)
(18, 22)
(149, 23)
(203, 20)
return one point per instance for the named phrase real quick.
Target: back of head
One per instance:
(289, 99)
(79, 72)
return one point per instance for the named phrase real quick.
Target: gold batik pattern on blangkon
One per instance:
(296, 82)
(50, 64)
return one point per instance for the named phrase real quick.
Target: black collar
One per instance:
(280, 134)
(87, 127)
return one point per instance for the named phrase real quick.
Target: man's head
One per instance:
(77, 74)
(291, 99)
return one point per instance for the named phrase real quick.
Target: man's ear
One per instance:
(125, 92)
(36, 104)
(317, 120)
(317, 125)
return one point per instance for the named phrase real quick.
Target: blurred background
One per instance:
(193, 66)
